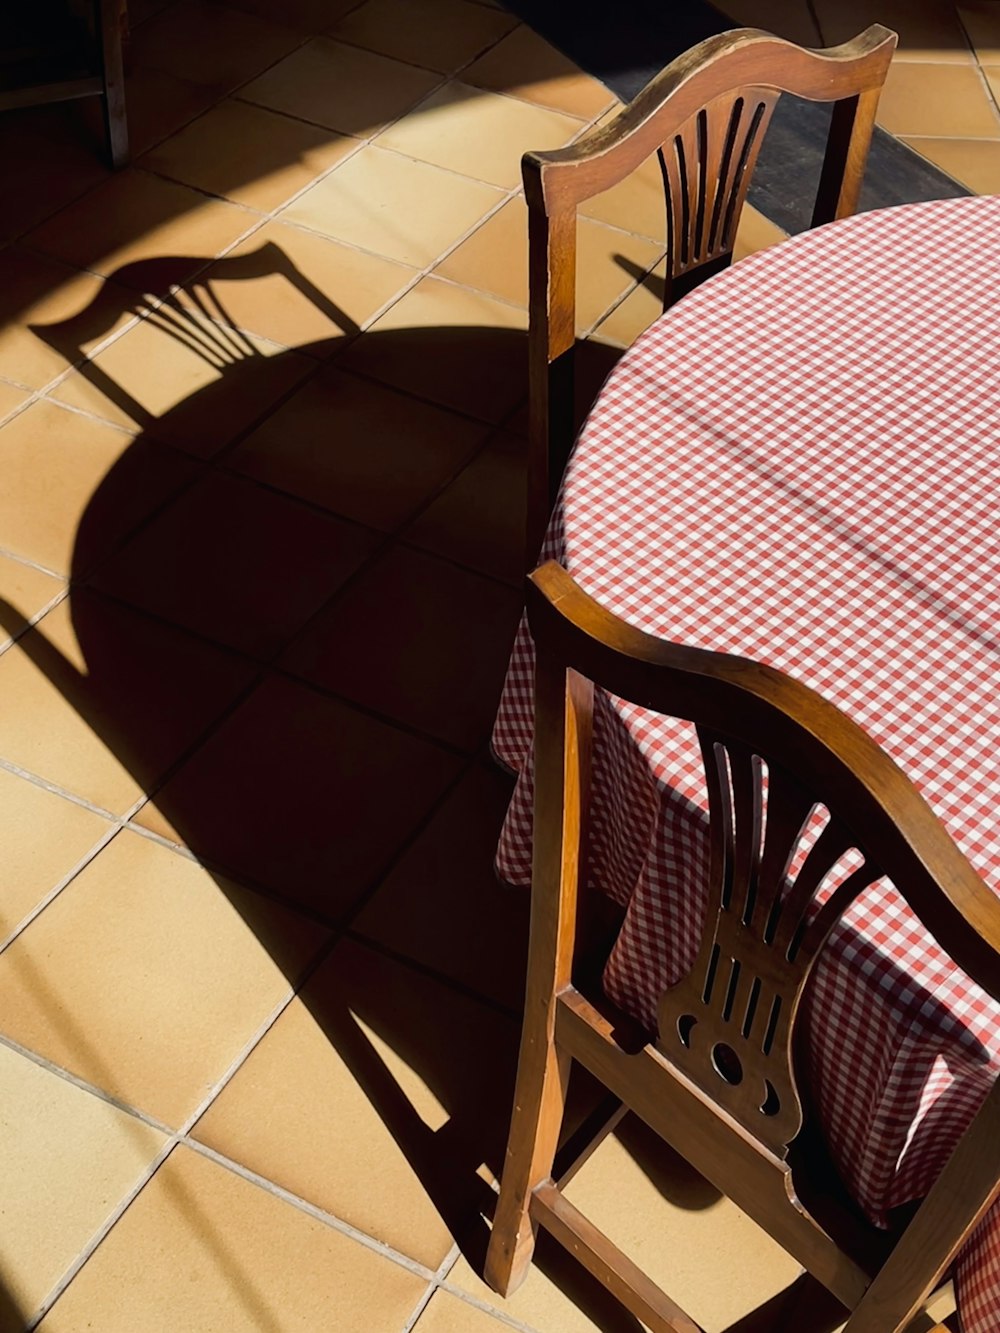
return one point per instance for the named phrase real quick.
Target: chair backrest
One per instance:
(721, 1082)
(705, 115)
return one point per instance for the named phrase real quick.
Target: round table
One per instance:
(800, 463)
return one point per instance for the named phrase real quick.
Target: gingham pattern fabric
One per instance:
(799, 464)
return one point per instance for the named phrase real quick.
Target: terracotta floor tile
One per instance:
(455, 347)
(12, 396)
(366, 1057)
(406, 210)
(101, 701)
(595, 361)
(608, 265)
(927, 31)
(185, 379)
(528, 67)
(479, 520)
(303, 794)
(442, 905)
(211, 44)
(793, 22)
(202, 1248)
(921, 98)
(341, 87)
(50, 315)
(981, 22)
(237, 563)
(430, 644)
(159, 105)
(973, 162)
(755, 232)
(156, 976)
(44, 837)
(672, 1223)
(634, 315)
(557, 1294)
(147, 976)
(73, 487)
(358, 448)
(301, 289)
(441, 35)
(645, 304)
(495, 259)
(308, 16)
(24, 592)
(636, 205)
(139, 11)
(478, 133)
(446, 1313)
(67, 1159)
(136, 216)
(248, 154)
(48, 157)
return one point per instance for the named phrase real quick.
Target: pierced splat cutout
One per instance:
(727, 1025)
(706, 167)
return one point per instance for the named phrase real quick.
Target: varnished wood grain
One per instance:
(753, 721)
(705, 115)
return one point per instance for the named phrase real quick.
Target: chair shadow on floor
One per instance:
(264, 774)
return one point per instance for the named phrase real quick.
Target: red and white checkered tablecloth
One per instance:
(800, 463)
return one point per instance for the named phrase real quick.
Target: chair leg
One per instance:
(539, 1103)
(111, 18)
(967, 1187)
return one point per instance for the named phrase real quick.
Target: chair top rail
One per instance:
(747, 58)
(747, 701)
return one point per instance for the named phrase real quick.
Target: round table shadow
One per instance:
(188, 683)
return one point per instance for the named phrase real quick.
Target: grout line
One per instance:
(295, 986)
(951, 138)
(814, 16)
(379, 876)
(37, 780)
(99, 1235)
(228, 92)
(263, 218)
(970, 44)
(310, 1209)
(436, 1284)
(60, 1071)
(436, 1279)
(480, 998)
(477, 1303)
(36, 616)
(36, 911)
(264, 669)
(994, 105)
(125, 823)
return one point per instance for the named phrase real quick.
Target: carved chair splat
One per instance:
(720, 1081)
(705, 116)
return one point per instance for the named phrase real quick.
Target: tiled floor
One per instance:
(261, 412)
(943, 89)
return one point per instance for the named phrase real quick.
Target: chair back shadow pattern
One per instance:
(178, 293)
(720, 1082)
(705, 117)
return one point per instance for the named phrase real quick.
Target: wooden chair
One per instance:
(687, 1085)
(705, 116)
(53, 58)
